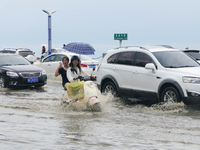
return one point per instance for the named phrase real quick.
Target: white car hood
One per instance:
(187, 71)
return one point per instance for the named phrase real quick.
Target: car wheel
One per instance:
(170, 94)
(2, 82)
(109, 87)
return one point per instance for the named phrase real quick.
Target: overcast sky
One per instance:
(147, 22)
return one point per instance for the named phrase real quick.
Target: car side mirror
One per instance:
(150, 66)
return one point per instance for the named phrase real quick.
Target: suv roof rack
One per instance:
(166, 46)
(131, 46)
(143, 48)
(23, 49)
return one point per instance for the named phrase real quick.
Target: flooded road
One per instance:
(35, 119)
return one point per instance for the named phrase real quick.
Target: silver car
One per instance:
(56, 50)
(51, 62)
(25, 52)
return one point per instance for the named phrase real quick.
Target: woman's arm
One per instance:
(69, 75)
(57, 70)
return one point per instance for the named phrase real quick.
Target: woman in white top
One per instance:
(74, 69)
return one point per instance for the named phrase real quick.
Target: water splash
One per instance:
(170, 107)
(82, 105)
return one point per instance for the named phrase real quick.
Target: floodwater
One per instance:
(34, 119)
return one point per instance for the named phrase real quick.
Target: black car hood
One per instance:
(22, 68)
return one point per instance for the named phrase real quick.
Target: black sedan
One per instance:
(16, 71)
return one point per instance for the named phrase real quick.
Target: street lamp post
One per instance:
(49, 30)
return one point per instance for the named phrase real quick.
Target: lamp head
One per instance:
(45, 11)
(53, 12)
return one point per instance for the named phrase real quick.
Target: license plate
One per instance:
(32, 80)
(92, 66)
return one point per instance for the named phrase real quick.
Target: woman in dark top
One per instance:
(43, 49)
(62, 70)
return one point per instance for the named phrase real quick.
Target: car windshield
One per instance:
(195, 55)
(25, 53)
(85, 58)
(13, 60)
(175, 59)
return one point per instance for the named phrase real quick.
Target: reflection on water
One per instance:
(35, 119)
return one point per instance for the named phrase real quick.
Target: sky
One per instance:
(147, 22)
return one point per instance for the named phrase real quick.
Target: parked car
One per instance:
(152, 72)
(51, 62)
(15, 70)
(8, 50)
(25, 52)
(194, 53)
(56, 50)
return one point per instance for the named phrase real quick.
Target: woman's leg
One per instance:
(65, 87)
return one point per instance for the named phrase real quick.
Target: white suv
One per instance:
(152, 72)
(25, 52)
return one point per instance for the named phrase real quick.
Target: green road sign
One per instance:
(122, 36)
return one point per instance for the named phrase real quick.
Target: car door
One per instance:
(124, 71)
(144, 80)
(47, 62)
(109, 68)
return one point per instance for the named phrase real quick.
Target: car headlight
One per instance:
(43, 72)
(191, 80)
(11, 74)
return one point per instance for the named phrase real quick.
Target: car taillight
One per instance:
(83, 65)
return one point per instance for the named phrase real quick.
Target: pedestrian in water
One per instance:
(43, 49)
(62, 70)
